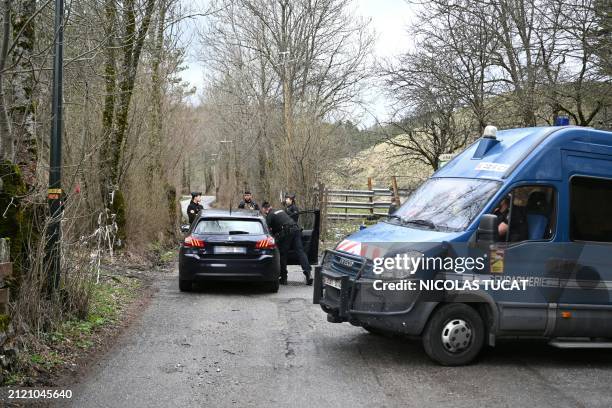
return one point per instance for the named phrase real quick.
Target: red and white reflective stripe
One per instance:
(363, 249)
(351, 247)
(370, 251)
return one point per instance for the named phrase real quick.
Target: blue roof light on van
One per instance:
(562, 120)
(488, 141)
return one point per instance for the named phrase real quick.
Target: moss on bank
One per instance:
(14, 220)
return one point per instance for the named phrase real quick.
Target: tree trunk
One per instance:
(288, 126)
(110, 79)
(155, 140)
(132, 48)
(22, 83)
(6, 137)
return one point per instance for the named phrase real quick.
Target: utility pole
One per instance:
(54, 193)
(234, 184)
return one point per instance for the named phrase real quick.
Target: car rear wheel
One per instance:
(454, 335)
(185, 285)
(273, 286)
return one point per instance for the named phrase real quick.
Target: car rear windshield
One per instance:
(229, 226)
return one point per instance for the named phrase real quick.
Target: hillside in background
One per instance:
(380, 162)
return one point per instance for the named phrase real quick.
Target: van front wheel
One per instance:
(454, 335)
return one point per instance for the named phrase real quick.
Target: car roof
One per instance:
(215, 212)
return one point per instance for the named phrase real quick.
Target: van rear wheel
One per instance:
(454, 335)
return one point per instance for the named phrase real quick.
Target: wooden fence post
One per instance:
(394, 187)
(371, 198)
(346, 208)
(323, 209)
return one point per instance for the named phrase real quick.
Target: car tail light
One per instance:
(266, 243)
(192, 242)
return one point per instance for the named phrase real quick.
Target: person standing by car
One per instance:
(287, 235)
(194, 206)
(291, 208)
(247, 202)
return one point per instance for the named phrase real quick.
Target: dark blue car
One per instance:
(224, 245)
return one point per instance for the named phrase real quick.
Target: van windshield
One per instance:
(446, 203)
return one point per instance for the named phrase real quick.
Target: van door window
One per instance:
(590, 202)
(527, 213)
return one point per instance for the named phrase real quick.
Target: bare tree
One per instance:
(132, 41)
(427, 114)
(574, 84)
(6, 137)
(22, 84)
(297, 61)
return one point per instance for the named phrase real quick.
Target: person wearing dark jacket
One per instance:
(194, 206)
(287, 235)
(291, 208)
(247, 202)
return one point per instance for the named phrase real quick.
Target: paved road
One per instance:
(238, 347)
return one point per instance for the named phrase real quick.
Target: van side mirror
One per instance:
(185, 228)
(487, 229)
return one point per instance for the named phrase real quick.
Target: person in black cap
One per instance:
(247, 202)
(287, 235)
(194, 206)
(291, 208)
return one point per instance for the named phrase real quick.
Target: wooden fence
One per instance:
(6, 270)
(348, 204)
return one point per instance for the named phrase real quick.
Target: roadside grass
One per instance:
(161, 254)
(337, 230)
(61, 347)
(167, 257)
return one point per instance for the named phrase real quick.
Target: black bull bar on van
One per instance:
(341, 308)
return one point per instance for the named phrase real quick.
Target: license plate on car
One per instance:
(229, 250)
(334, 283)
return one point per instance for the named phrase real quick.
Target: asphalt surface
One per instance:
(237, 346)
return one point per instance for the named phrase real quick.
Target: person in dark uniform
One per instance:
(287, 235)
(501, 212)
(511, 227)
(247, 202)
(291, 208)
(194, 206)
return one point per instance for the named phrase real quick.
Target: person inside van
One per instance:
(501, 212)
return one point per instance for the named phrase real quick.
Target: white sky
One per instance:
(389, 19)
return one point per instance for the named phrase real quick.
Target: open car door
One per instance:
(310, 222)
